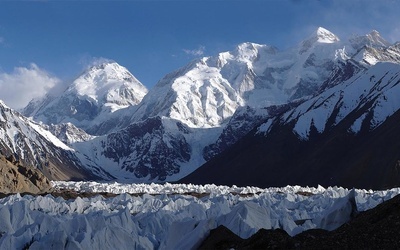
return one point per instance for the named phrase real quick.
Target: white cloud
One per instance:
(88, 61)
(24, 84)
(195, 52)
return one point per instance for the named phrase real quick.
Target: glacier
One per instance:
(156, 216)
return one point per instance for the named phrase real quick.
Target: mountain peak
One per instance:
(319, 36)
(99, 91)
(3, 104)
(247, 46)
(109, 83)
(372, 39)
(110, 69)
(101, 64)
(103, 77)
(323, 35)
(375, 38)
(247, 50)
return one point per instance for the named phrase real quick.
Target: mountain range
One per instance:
(324, 112)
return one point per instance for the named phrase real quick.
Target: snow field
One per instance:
(164, 217)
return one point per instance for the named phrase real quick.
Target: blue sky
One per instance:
(47, 43)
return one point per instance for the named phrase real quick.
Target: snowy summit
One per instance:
(109, 83)
(325, 36)
(99, 91)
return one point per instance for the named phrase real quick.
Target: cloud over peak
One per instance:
(24, 84)
(195, 52)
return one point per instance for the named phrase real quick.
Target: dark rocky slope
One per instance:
(369, 159)
(377, 228)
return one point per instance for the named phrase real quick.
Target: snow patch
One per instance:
(49, 136)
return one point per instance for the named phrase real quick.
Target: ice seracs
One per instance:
(170, 219)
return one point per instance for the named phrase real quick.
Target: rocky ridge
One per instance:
(15, 178)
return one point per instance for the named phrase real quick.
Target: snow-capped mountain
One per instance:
(253, 74)
(195, 103)
(208, 91)
(198, 111)
(336, 62)
(373, 95)
(100, 91)
(27, 143)
(347, 135)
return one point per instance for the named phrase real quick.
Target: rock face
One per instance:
(164, 149)
(153, 149)
(241, 123)
(15, 178)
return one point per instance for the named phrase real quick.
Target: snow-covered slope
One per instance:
(91, 98)
(208, 91)
(372, 96)
(169, 219)
(31, 145)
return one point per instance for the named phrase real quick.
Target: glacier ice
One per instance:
(165, 217)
